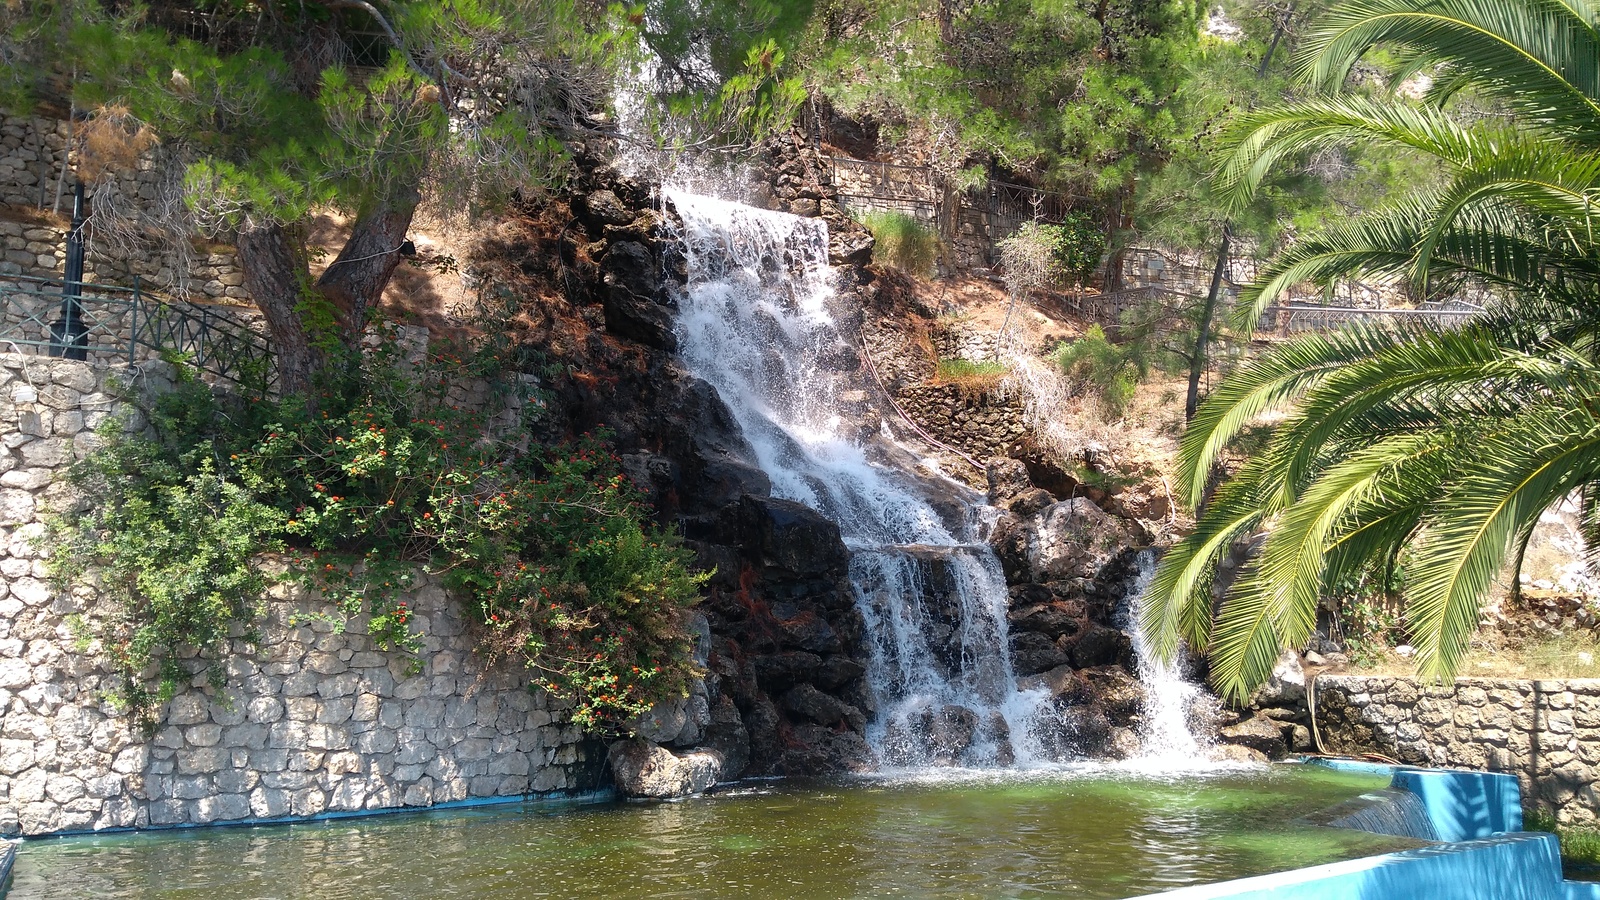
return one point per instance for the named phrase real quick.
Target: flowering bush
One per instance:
(549, 547)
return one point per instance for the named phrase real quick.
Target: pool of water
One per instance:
(1090, 832)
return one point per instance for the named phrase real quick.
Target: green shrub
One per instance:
(1580, 845)
(902, 242)
(1102, 369)
(551, 549)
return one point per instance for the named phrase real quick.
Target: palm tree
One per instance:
(1448, 443)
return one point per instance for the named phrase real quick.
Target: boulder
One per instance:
(1073, 539)
(630, 294)
(1102, 646)
(1118, 693)
(1287, 684)
(1124, 743)
(837, 671)
(849, 246)
(823, 709)
(727, 735)
(777, 672)
(1033, 653)
(604, 208)
(786, 535)
(662, 723)
(1062, 683)
(1007, 478)
(1238, 754)
(644, 769)
(1258, 733)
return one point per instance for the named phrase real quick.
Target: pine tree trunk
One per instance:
(276, 274)
(1197, 361)
(274, 268)
(355, 280)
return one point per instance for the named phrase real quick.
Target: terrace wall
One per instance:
(1547, 733)
(310, 721)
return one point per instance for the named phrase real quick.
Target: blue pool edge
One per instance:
(1483, 853)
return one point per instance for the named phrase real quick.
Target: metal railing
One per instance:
(1297, 318)
(128, 324)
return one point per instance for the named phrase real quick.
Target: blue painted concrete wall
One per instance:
(1485, 854)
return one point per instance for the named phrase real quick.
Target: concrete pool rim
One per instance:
(1483, 853)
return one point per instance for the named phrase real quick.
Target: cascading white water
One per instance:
(755, 322)
(1166, 732)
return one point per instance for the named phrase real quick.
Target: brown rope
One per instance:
(873, 368)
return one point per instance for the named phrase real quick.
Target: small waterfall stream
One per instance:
(757, 322)
(1166, 733)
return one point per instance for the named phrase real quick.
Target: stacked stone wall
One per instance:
(311, 718)
(1547, 733)
(37, 168)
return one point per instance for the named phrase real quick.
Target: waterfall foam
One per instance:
(757, 322)
(1166, 732)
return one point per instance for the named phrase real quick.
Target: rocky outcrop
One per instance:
(783, 690)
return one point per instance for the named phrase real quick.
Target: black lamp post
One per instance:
(68, 335)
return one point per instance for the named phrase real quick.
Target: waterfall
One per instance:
(1166, 733)
(757, 322)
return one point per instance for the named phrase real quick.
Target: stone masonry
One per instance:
(1547, 733)
(311, 719)
(36, 164)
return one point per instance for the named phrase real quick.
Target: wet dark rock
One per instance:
(804, 629)
(786, 535)
(950, 732)
(818, 750)
(630, 297)
(823, 709)
(778, 672)
(1075, 730)
(804, 206)
(1101, 645)
(764, 724)
(1033, 653)
(838, 671)
(727, 735)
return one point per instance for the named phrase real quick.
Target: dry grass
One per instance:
(972, 379)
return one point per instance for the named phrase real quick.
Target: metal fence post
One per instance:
(133, 322)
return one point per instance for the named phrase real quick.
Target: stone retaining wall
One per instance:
(310, 719)
(36, 173)
(1547, 733)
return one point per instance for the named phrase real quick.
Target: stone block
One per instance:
(187, 709)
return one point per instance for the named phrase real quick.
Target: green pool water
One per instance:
(1084, 833)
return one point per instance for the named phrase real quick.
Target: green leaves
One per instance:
(550, 550)
(1454, 442)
